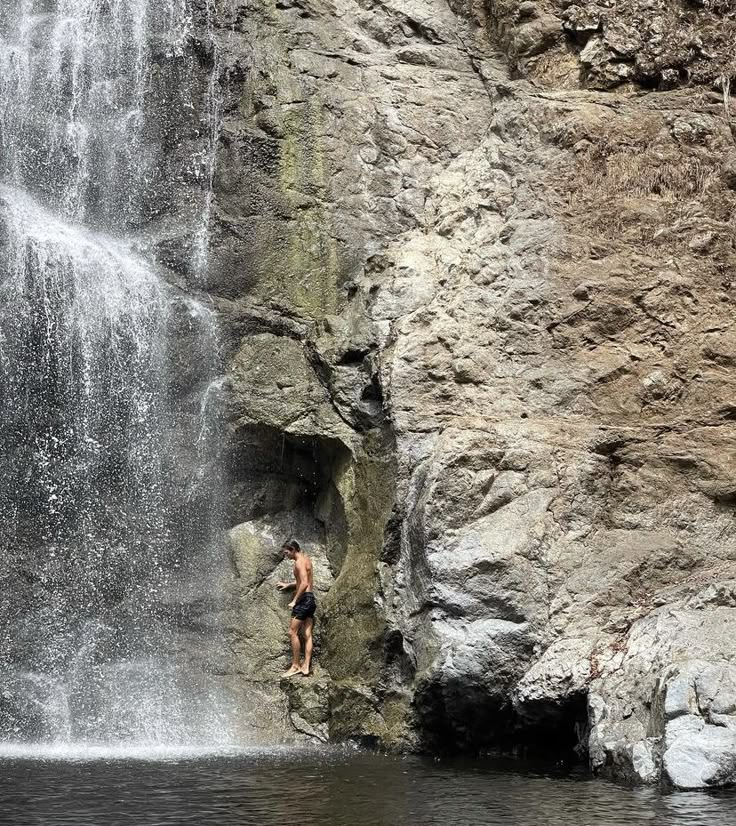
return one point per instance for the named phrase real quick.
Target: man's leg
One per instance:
(307, 631)
(296, 647)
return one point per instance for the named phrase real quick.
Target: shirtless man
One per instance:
(302, 607)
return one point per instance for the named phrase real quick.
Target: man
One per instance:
(302, 607)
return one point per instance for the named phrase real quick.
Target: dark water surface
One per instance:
(331, 789)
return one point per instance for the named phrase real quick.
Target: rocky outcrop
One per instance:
(475, 267)
(663, 44)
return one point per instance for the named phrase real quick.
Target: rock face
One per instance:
(700, 741)
(475, 264)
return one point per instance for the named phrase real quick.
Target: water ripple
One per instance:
(331, 788)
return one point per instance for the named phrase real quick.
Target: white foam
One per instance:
(79, 752)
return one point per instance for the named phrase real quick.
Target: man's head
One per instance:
(290, 549)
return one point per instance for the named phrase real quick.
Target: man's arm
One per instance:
(285, 586)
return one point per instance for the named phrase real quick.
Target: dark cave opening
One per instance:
(556, 729)
(457, 718)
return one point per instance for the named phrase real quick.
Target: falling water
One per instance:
(213, 102)
(108, 468)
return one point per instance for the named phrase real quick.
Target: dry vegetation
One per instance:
(608, 170)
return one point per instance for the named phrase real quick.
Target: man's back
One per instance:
(303, 572)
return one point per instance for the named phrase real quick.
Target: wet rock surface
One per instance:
(475, 266)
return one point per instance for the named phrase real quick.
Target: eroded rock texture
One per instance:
(475, 263)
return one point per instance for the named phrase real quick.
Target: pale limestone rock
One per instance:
(563, 670)
(679, 699)
(644, 762)
(699, 755)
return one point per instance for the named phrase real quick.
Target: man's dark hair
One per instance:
(291, 545)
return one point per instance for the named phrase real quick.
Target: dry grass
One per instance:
(619, 162)
(634, 190)
(642, 173)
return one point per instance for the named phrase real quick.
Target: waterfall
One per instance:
(108, 429)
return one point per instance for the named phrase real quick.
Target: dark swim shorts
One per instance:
(305, 606)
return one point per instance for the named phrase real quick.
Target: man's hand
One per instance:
(291, 604)
(284, 586)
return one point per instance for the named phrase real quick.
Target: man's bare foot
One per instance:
(304, 671)
(295, 669)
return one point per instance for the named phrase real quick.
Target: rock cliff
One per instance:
(474, 262)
